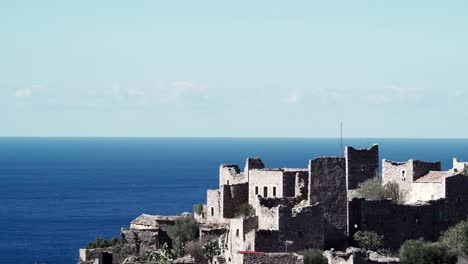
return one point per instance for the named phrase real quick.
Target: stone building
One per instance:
(314, 207)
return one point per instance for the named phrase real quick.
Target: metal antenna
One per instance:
(341, 139)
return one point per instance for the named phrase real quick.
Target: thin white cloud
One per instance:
(292, 99)
(23, 93)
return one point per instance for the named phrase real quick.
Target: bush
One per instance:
(185, 229)
(465, 170)
(211, 250)
(422, 252)
(245, 209)
(122, 251)
(194, 249)
(456, 238)
(369, 240)
(313, 256)
(373, 189)
(198, 209)
(159, 256)
(102, 243)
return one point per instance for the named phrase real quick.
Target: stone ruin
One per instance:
(316, 207)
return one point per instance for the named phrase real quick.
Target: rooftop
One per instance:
(436, 176)
(152, 220)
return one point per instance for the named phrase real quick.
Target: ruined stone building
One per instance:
(316, 207)
(299, 208)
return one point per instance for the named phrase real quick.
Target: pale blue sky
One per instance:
(237, 69)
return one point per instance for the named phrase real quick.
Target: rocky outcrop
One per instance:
(358, 256)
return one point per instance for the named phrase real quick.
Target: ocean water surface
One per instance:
(59, 193)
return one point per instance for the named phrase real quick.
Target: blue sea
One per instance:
(59, 193)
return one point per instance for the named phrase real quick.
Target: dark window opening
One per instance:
(212, 211)
(227, 182)
(417, 220)
(237, 233)
(274, 191)
(300, 234)
(265, 191)
(403, 175)
(458, 199)
(256, 190)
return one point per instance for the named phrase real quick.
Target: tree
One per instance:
(313, 256)
(184, 229)
(210, 250)
(392, 191)
(373, 189)
(422, 252)
(102, 243)
(198, 209)
(465, 170)
(194, 249)
(456, 238)
(369, 240)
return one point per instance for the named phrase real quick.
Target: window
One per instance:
(256, 190)
(458, 199)
(265, 191)
(212, 211)
(403, 175)
(274, 191)
(300, 234)
(237, 233)
(227, 182)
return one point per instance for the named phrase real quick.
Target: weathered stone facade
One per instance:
(361, 165)
(327, 181)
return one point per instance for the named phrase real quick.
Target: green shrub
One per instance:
(313, 256)
(102, 243)
(456, 238)
(162, 255)
(194, 249)
(198, 209)
(185, 229)
(369, 240)
(245, 209)
(373, 189)
(121, 251)
(422, 252)
(211, 250)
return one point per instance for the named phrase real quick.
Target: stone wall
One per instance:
(233, 196)
(392, 171)
(251, 164)
(421, 168)
(271, 179)
(302, 184)
(361, 165)
(459, 166)
(426, 191)
(144, 240)
(397, 223)
(327, 186)
(304, 227)
(213, 205)
(273, 258)
(231, 174)
(456, 202)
